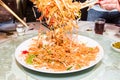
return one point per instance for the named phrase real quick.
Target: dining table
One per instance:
(107, 69)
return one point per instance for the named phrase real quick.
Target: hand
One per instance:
(109, 4)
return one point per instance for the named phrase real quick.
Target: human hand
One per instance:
(109, 4)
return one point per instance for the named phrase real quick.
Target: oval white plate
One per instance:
(90, 42)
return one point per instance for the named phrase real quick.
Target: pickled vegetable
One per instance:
(116, 45)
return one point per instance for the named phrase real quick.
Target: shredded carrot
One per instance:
(58, 50)
(60, 54)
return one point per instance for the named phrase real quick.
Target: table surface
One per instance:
(107, 69)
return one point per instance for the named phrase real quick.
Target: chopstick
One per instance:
(88, 3)
(8, 9)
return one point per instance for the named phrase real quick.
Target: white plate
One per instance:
(90, 42)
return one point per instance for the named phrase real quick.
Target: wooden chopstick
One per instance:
(88, 3)
(8, 9)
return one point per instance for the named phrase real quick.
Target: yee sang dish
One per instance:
(56, 50)
(59, 55)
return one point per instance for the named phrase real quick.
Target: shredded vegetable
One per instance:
(58, 50)
(60, 54)
(58, 13)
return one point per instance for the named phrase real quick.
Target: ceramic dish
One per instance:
(116, 46)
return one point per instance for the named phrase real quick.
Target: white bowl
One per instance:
(115, 48)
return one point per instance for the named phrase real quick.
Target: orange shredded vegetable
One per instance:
(60, 54)
(57, 50)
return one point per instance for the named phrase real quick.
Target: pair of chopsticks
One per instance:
(88, 3)
(17, 17)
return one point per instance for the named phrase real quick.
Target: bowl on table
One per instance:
(116, 46)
